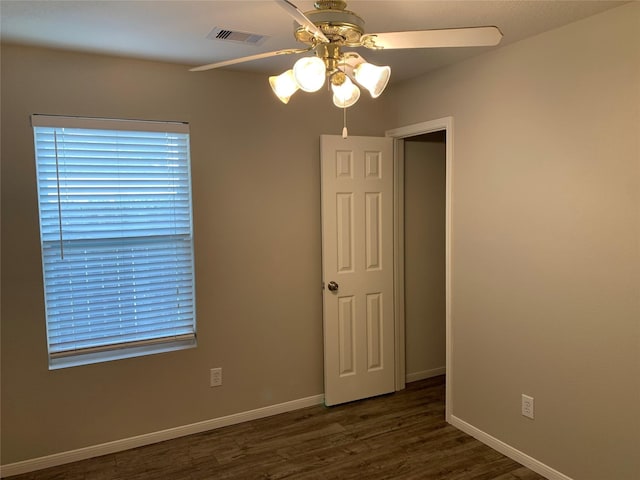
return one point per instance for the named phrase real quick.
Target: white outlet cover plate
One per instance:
(527, 406)
(215, 378)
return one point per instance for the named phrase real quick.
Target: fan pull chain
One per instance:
(344, 119)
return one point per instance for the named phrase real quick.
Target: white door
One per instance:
(357, 266)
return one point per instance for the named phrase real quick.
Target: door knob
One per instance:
(333, 286)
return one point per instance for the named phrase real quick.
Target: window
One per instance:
(117, 238)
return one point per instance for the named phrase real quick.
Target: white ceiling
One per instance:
(176, 30)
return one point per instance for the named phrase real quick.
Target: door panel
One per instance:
(357, 252)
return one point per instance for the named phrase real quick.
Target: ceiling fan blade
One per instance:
(302, 19)
(450, 37)
(250, 58)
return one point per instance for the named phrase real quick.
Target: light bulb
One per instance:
(372, 77)
(309, 73)
(284, 85)
(345, 94)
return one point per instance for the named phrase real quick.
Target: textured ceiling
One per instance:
(176, 31)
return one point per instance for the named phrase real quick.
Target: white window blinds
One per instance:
(116, 234)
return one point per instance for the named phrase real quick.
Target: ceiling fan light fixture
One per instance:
(372, 77)
(284, 85)
(309, 73)
(345, 94)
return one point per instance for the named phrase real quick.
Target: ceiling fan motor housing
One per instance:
(339, 25)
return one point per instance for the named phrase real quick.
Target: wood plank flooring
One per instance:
(398, 436)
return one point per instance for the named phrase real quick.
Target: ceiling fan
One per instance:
(330, 28)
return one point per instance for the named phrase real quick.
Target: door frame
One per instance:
(399, 135)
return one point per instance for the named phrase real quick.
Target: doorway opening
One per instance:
(423, 160)
(424, 247)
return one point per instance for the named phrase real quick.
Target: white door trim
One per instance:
(399, 134)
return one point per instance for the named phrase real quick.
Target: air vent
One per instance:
(228, 35)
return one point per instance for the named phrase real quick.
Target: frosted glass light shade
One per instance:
(372, 77)
(284, 85)
(346, 94)
(310, 73)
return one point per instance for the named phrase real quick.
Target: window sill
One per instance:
(78, 359)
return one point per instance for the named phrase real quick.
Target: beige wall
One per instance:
(424, 271)
(546, 261)
(256, 197)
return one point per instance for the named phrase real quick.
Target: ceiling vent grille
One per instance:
(228, 35)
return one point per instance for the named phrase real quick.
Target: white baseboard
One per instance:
(155, 437)
(434, 372)
(508, 450)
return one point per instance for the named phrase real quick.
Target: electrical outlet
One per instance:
(215, 377)
(527, 406)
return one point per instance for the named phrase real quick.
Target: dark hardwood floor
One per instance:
(397, 436)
